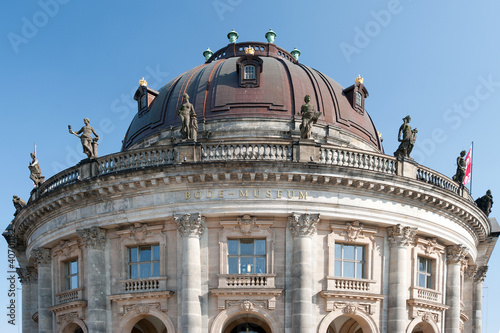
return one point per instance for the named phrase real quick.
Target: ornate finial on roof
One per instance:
(207, 53)
(270, 36)
(250, 50)
(295, 53)
(143, 82)
(232, 36)
(359, 79)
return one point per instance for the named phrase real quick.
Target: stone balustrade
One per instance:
(358, 159)
(135, 159)
(246, 281)
(141, 285)
(231, 152)
(426, 294)
(70, 295)
(348, 284)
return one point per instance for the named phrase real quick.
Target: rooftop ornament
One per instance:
(407, 138)
(270, 36)
(359, 79)
(89, 144)
(295, 53)
(250, 50)
(143, 83)
(232, 36)
(207, 53)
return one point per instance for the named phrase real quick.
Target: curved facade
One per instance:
(251, 228)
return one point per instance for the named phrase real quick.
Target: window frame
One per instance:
(346, 260)
(428, 276)
(255, 256)
(68, 275)
(435, 253)
(249, 75)
(242, 63)
(138, 263)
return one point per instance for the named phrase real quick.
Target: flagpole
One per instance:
(471, 164)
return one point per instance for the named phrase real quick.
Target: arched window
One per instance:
(249, 72)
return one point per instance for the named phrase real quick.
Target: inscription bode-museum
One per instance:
(246, 194)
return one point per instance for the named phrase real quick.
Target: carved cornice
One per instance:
(190, 225)
(399, 235)
(41, 256)
(303, 225)
(94, 238)
(456, 253)
(480, 274)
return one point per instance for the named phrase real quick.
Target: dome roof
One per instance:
(219, 98)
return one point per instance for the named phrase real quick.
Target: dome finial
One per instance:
(232, 36)
(359, 79)
(295, 53)
(250, 50)
(143, 83)
(207, 53)
(270, 36)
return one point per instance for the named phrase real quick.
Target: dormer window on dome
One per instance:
(249, 68)
(144, 97)
(356, 95)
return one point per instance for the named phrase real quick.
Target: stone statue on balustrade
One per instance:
(407, 138)
(461, 168)
(89, 144)
(485, 202)
(18, 203)
(35, 171)
(189, 122)
(309, 117)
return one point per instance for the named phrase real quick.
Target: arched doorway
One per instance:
(247, 323)
(344, 324)
(77, 326)
(340, 322)
(423, 327)
(149, 324)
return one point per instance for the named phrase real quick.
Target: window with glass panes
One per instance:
(71, 274)
(358, 99)
(144, 261)
(349, 261)
(246, 256)
(424, 275)
(249, 72)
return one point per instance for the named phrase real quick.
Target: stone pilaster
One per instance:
(478, 298)
(191, 227)
(33, 306)
(94, 239)
(302, 227)
(399, 238)
(42, 258)
(24, 278)
(455, 255)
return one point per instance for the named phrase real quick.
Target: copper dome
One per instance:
(216, 92)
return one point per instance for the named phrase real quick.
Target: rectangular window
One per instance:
(424, 275)
(246, 256)
(249, 72)
(144, 261)
(71, 274)
(349, 261)
(358, 98)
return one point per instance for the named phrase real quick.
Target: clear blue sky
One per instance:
(436, 61)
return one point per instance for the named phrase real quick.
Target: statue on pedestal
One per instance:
(89, 144)
(189, 122)
(407, 137)
(461, 166)
(36, 171)
(309, 117)
(485, 202)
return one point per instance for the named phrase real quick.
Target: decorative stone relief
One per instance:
(67, 318)
(23, 274)
(470, 272)
(247, 305)
(354, 230)
(430, 247)
(139, 232)
(190, 225)
(65, 248)
(456, 253)
(352, 307)
(94, 238)
(246, 224)
(400, 236)
(428, 316)
(481, 274)
(141, 308)
(303, 224)
(41, 256)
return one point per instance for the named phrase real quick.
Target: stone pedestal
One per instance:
(95, 240)
(399, 238)
(455, 256)
(188, 151)
(477, 307)
(191, 227)
(88, 168)
(406, 167)
(302, 227)
(42, 259)
(305, 149)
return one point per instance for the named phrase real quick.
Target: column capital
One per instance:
(302, 225)
(41, 256)
(94, 238)
(470, 272)
(399, 235)
(480, 274)
(190, 225)
(24, 274)
(456, 253)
